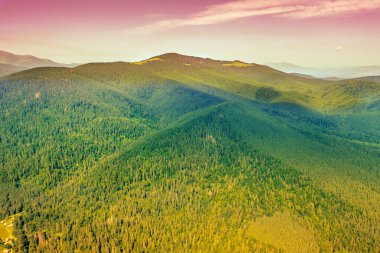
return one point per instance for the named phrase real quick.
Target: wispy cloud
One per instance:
(291, 9)
(333, 7)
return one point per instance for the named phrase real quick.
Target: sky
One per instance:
(313, 33)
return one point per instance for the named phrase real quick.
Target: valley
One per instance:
(187, 154)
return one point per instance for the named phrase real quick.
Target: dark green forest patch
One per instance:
(266, 94)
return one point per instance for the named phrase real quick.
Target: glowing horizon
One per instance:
(308, 33)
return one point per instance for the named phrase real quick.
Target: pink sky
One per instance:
(306, 32)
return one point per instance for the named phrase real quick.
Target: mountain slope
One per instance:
(250, 81)
(7, 69)
(180, 153)
(187, 206)
(371, 78)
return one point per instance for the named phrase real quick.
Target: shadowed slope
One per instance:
(242, 79)
(188, 154)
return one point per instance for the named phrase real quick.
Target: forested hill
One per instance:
(184, 154)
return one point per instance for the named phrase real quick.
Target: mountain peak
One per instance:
(186, 59)
(176, 57)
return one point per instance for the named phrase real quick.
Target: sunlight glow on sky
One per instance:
(315, 33)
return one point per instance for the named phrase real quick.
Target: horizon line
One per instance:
(187, 55)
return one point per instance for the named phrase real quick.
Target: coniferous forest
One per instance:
(185, 154)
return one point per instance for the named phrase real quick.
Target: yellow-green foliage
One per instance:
(244, 79)
(4, 233)
(148, 61)
(184, 154)
(6, 228)
(7, 237)
(283, 231)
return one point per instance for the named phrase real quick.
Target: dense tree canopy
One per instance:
(115, 158)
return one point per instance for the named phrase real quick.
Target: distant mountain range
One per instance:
(340, 73)
(11, 63)
(6, 69)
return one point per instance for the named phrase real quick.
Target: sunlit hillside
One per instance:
(185, 154)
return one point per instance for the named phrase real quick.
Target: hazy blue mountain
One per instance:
(342, 72)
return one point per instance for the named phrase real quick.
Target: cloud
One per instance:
(331, 8)
(290, 9)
